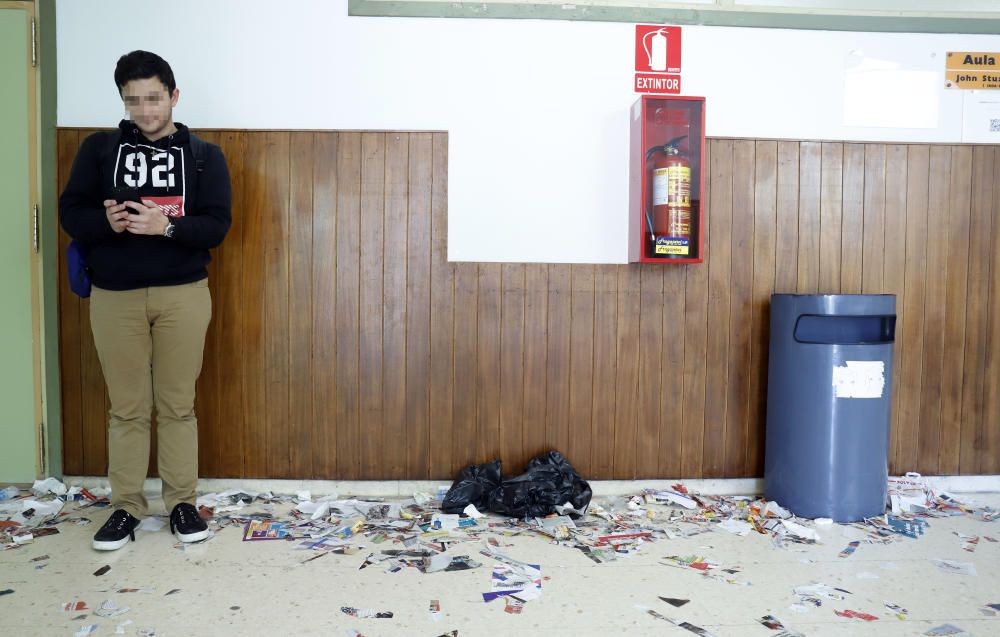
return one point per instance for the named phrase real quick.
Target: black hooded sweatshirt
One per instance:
(198, 204)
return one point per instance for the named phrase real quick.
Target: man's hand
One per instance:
(116, 214)
(148, 218)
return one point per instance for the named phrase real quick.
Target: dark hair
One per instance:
(141, 65)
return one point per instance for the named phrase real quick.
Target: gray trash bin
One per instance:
(828, 404)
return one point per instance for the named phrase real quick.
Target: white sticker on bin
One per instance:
(859, 379)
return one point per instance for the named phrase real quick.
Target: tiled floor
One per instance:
(230, 587)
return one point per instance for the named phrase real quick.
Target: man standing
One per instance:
(147, 201)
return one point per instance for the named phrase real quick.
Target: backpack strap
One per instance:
(113, 139)
(199, 149)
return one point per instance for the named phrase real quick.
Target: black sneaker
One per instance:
(116, 532)
(186, 524)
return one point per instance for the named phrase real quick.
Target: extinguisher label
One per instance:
(660, 189)
(673, 245)
(678, 186)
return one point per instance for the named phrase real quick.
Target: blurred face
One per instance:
(150, 106)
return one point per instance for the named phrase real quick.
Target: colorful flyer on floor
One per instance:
(265, 530)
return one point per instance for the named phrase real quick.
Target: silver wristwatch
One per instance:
(168, 232)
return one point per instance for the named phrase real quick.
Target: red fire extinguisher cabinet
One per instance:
(667, 130)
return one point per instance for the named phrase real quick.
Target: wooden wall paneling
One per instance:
(929, 439)
(370, 295)
(830, 210)
(955, 235)
(394, 343)
(692, 357)
(626, 382)
(989, 433)
(810, 215)
(720, 266)
(465, 446)
(488, 376)
(347, 317)
(852, 219)
(650, 385)
(536, 281)
(227, 308)
(764, 260)
(786, 238)
(324, 288)
(254, 274)
(681, 435)
(977, 315)
(582, 363)
(70, 328)
(893, 277)
(874, 241)
(910, 317)
(300, 307)
(740, 309)
(344, 345)
(557, 361)
(95, 402)
(207, 399)
(605, 364)
(418, 306)
(512, 334)
(442, 425)
(275, 243)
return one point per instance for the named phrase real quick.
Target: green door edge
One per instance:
(48, 212)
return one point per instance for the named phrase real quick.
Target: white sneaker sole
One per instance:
(110, 546)
(192, 537)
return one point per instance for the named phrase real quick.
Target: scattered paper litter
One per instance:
(48, 485)
(472, 511)
(800, 531)
(736, 527)
(366, 613)
(676, 603)
(445, 521)
(44, 509)
(853, 614)
(697, 630)
(85, 630)
(951, 566)
(897, 610)
(110, 609)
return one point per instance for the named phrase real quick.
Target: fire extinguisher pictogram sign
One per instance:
(657, 49)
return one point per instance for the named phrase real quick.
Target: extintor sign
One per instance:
(657, 59)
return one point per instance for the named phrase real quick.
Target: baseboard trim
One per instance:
(601, 488)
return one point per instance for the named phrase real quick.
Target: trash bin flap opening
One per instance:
(845, 330)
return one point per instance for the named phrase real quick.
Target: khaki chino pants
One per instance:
(150, 343)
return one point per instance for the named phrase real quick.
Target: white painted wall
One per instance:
(536, 111)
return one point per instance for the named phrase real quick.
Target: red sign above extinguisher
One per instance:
(657, 59)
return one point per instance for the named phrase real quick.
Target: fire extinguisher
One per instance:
(670, 223)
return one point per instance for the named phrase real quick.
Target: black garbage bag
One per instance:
(473, 486)
(548, 481)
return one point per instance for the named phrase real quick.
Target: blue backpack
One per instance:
(76, 254)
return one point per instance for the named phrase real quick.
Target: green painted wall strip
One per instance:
(708, 17)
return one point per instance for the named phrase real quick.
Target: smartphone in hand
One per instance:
(127, 193)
